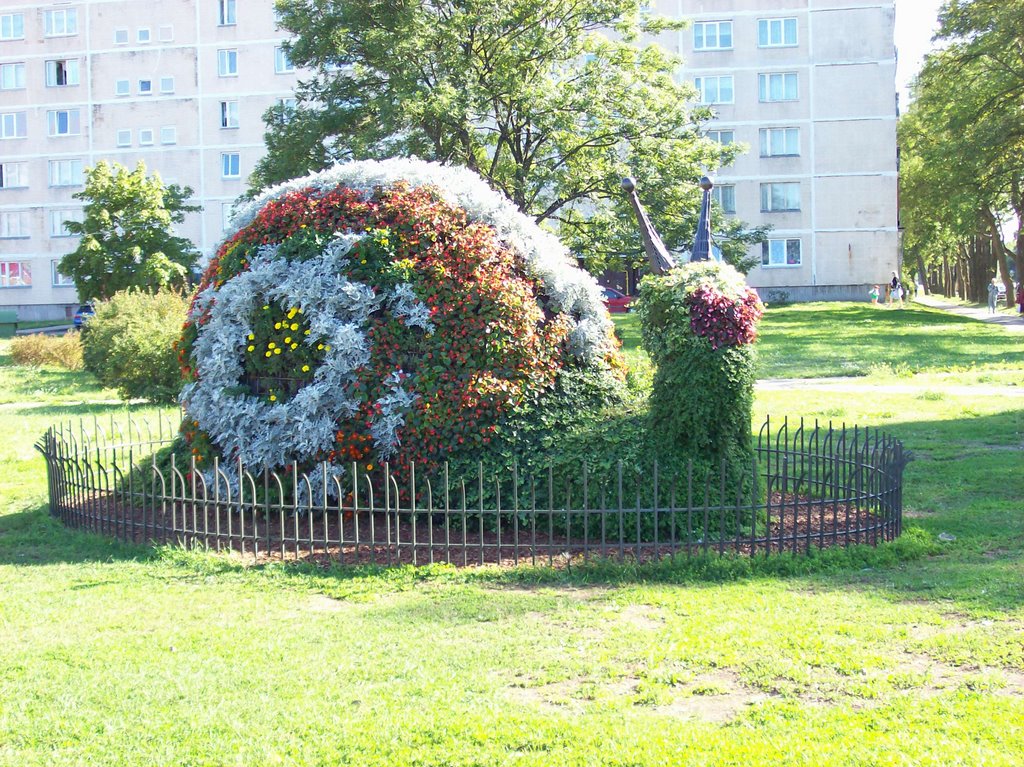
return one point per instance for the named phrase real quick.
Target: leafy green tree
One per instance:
(531, 94)
(127, 233)
(962, 146)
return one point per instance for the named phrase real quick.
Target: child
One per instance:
(873, 294)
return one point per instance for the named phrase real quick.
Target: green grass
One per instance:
(909, 654)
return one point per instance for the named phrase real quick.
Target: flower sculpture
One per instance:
(385, 311)
(698, 323)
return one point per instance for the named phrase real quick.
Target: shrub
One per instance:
(698, 323)
(129, 344)
(37, 349)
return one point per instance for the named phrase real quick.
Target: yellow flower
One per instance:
(277, 326)
(267, 354)
(305, 368)
(277, 351)
(295, 346)
(306, 332)
(251, 337)
(250, 348)
(287, 339)
(291, 313)
(266, 306)
(319, 346)
(294, 326)
(271, 345)
(273, 398)
(327, 347)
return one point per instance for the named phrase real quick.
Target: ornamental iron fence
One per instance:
(808, 486)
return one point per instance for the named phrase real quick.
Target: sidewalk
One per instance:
(1012, 322)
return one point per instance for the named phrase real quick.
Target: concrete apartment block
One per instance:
(807, 85)
(179, 84)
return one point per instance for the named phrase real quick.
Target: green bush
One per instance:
(698, 323)
(129, 344)
(37, 349)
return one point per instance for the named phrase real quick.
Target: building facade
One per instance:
(179, 84)
(809, 86)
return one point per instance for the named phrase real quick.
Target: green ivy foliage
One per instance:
(702, 396)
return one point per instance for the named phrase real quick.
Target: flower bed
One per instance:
(396, 311)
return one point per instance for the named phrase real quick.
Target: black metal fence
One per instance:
(809, 486)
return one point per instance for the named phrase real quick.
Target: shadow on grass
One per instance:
(32, 537)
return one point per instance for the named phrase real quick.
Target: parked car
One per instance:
(616, 301)
(84, 312)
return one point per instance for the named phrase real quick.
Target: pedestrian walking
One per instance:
(993, 295)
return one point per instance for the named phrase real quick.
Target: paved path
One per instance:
(858, 384)
(51, 330)
(1012, 322)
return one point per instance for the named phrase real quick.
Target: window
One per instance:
(63, 122)
(169, 135)
(715, 90)
(65, 172)
(145, 136)
(227, 62)
(122, 88)
(13, 175)
(229, 114)
(230, 166)
(14, 224)
(725, 196)
(12, 26)
(57, 279)
(723, 137)
(226, 211)
(780, 197)
(776, 33)
(143, 34)
(60, 23)
(166, 33)
(124, 137)
(12, 125)
(12, 76)
(780, 142)
(120, 37)
(167, 85)
(712, 35)
(286, 108)
(145, 87)
(58, 218)
(780, 253)
(62, 72)
(778, 86)
(288, 103)
(15, 274)
(281, 62)
(228, 14)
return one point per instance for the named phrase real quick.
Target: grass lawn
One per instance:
(912, 654)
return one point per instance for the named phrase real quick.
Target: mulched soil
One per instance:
(795, 523)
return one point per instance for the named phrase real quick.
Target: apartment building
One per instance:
(180, 84)
(809, 87)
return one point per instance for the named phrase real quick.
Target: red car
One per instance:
(616, 302)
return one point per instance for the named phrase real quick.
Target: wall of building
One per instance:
(149, 89)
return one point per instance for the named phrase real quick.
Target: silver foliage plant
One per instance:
(259, 434)
(570, 289)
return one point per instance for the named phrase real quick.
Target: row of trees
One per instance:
(962, 151)
(531, 94)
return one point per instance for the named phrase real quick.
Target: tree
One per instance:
(527, 93)
(962, 148)
(127, 234)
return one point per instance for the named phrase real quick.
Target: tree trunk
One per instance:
(923, 272)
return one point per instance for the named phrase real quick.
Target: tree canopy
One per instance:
(962, 147)
(127, 233)
(534, 95)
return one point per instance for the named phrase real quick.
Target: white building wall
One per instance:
(173, 125)
(843, 58)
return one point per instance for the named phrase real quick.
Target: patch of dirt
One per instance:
(716, 696)
(641, 617)
(321, 603)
